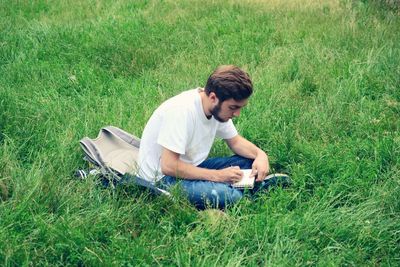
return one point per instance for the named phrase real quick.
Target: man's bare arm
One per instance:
(171, 165)
(245, 148)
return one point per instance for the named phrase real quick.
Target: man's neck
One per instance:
(205, 104)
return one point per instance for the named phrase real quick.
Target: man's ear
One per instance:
(213, 97)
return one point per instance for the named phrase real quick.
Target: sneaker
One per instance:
(82, 174)
(273, 180)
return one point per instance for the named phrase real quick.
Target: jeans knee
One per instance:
(224, 196)
(236, 195)
(205, 194)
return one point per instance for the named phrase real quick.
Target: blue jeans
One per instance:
(205, 194)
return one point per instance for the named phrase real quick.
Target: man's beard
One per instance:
(215, 112)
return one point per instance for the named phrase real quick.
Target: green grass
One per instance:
(326, 107)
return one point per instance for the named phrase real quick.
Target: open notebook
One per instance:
(247, 182)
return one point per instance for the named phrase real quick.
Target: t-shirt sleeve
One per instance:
(226, 130)
(173, 133)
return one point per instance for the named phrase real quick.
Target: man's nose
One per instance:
(236, 113)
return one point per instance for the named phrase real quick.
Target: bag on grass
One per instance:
(115, 153)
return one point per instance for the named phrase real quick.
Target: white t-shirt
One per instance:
(181, 126)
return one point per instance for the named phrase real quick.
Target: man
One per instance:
(178, 137)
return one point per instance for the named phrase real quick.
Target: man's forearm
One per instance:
(245, 148)
(183, 170)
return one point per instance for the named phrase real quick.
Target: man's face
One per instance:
(228, 109)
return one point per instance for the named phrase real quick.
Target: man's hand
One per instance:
(229, 175)
(260, 166)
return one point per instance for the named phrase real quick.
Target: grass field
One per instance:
(326, 107)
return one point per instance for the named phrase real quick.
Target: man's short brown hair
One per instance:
(229, 81)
